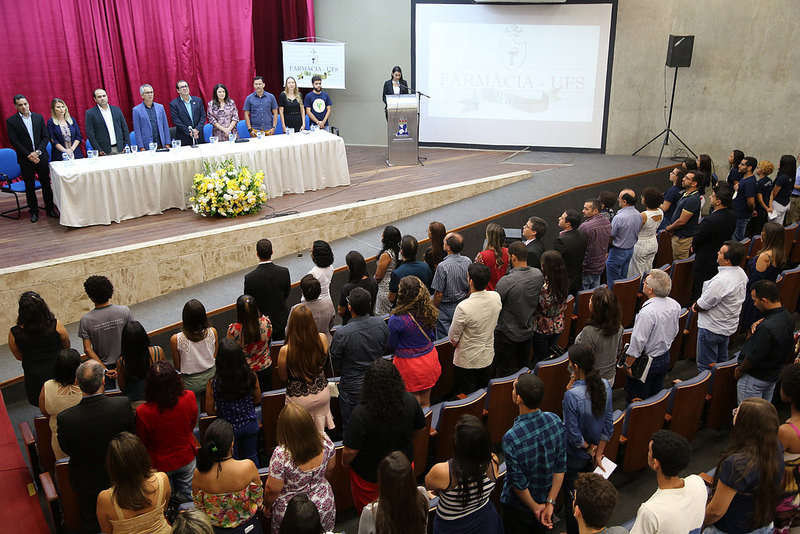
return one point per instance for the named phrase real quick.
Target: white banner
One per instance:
(304, 60)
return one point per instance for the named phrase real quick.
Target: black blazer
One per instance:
(535, 249)
(182, 121)
(97, 132)
(713, 230)
(572, 246)
(21, 141)
(269, 285)
(387, 89)
(84, 432)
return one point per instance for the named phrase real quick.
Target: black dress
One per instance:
(291, 112)
(38, 356)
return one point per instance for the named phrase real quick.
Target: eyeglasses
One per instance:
(183, 87)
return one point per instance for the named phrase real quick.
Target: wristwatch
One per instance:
(550, 501)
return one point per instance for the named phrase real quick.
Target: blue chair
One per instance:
(308, 123)
(49, 152)
(133, 139)
(241, 127)
(88, 146)
(9, 171)
(207, 132)
(279, 127)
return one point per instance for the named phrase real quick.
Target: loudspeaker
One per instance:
(679, 50)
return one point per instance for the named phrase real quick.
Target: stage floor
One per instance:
(370, 178)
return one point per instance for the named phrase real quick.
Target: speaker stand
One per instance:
(668, 130)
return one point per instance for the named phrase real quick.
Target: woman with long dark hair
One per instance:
(165, 423)
(781, 195)
(384, 421)
(705, 164)
(402, 506)
(734, 159)
(252, 331)
(301, 517)
(357, 276)
(35, 341)
(233, 394)
(603, 332)
(138, 494)
(749, 472)
(194, 348)
(767, 264)
(322, 256)
(465, 483)
(299, 464)
(495, 255)
(388, 260)
(548, 321)
(587, 419)
(222, 114)
(412, 329)
(135, 359)
(763, 196)
(435, 253)
(395, 85)
(301, 364)
(227, 490)
(59, 393)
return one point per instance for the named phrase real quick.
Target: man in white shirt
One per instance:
(679, 504)
(719, 306)
(472, 332)
(106, 129)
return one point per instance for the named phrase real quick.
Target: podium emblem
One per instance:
(402, 127)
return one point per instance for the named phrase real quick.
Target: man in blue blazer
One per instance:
(188, 114)
(150, 120)
(106, 128)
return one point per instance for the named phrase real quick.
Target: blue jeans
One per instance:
(590, 281)
(750, 386)
(741, 227)
(711, 529)
(180, 480)
(446, 310)
(711, 348)
(617, 263)
(245, 440)
(542, 346)
(652, 384)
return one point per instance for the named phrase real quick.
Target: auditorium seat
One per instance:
(500, 407)
(563, 339)
(581, 315)
(682, 277)
(422, 440)
(689, 351)
(67, 502)
(622, 374)
(44, 443)
(789, 236)
(339, 478)
(133, 141)
(754, 248)
(208, 131)
(664, 253)
(444, 384)
(789, 281)
(642, 419)
(685, 406)
(203, 422)
(612, 447)
(498, 486)
(627, 291)
(272, 402)
(721, 398)
(555, 376)
(276, 382)
(445, 417)
(677, 343)
(29, 443)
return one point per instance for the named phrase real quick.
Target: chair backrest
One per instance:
(621, 378)
(449, 414)
(67, 496)
(88, 145)
(274, 349)
(555, 376)
(675, 347)
(722, 394)
(421, 442)
(272, 402)
(690, 337)
(755, 246)
(612, 447)
(203, 422)
(500, 407)
(563, 339)
(241, 129)
(208, 130)
(789, 235)
(682, 277)
(44, 443)
(685, 406)
(133, 139)
(582, 310)
(8, 163)
(444, 384)
(642, 420)
(339, 478)
(664, 253)
(279, 126)
(789, 281)
(627, 291)
(308, 122)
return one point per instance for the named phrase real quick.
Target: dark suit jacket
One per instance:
(21, 141)
(572, 246)
(182, 121)
(388, 90)
(535, 249)
(97, 132)
(269, 285)
(57, 137)
(713, 230)
(84, 432)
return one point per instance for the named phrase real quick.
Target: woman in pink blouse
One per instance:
(253, 331)
(222, 114)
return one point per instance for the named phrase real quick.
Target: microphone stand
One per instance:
(194, 139)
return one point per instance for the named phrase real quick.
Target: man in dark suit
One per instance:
(572, 246)
(188, 115)
(106, 128)
(532, 233)
(712, 232)
(269, 285)
(84, 432)
(28, 136)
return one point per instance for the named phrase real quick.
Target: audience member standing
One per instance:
(322, 256)
(744, 201)
(322, 310)
(686, 217)
(533, 233)
(269, 285)
(519, 293)
(786, 511)
(435, 253)
(357, 277)
(402, 506)
(715, 228)
(603, 332)
(472, 333)
(135, 359)
(646, 247)
(252, 332)
(672, 196)
(301, 517)
(388, 260)
(654, 329)
(495, 256)
(150, 120)
(763, 196)
(548, 321)
(734, 174)
(354, 347)
(794, 204)
(596, 229)
(450, 282)
(783, 188)
(571, 245)
(106, 128)
(770, 346)
(767, 264)
(595, 499)
(84, 432)
(678, 505)
(719, 306)
(410, 266)
(536, 461)
(59, 393)
(194, 348)
(608, 200)
(624, 233)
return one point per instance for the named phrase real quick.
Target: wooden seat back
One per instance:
(555, 376)
(664, 254)
(582, 314)
(690, 337)
(422, 440)
(642, 420)
(500, 407)
(789, 281)
(685, 406)
(68, 499)
(44, 443)
(203, 422)
(677, 343)
(682, 276)
(272, 402)
(627, 292)
(563, 339)
(276, 382)
(754, 248)
(444, 384)
(721, 398)
(449, 415)
(789, 235)
(339, 478)
(612, 447)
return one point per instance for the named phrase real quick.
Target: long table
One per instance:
(115, 188)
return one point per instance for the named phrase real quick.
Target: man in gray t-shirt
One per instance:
(101, 328)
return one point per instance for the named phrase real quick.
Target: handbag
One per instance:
(333, 387)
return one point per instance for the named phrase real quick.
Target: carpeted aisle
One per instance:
(19, 511)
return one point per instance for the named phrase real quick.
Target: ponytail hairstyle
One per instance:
(582, 357)
(216, 445)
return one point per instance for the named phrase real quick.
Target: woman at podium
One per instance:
(394, 86)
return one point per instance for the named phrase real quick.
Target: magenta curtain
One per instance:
(66, 49)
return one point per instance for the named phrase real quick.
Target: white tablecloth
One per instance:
(115, 188)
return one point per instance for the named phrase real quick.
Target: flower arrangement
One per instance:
(227, 190)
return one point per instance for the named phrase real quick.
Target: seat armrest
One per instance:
(49, 488)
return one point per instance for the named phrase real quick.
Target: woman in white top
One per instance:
(194, 348)
(322, 256)
(59, 393)
(647, 244)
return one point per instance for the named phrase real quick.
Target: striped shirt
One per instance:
(451, 278)
(451, 505)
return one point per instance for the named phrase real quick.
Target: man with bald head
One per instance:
(450, 282)
(84, 432)
(624, 232)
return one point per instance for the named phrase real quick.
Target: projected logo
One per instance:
(513, 48)
(402, 127)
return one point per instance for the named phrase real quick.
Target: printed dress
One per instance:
(228, 510)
